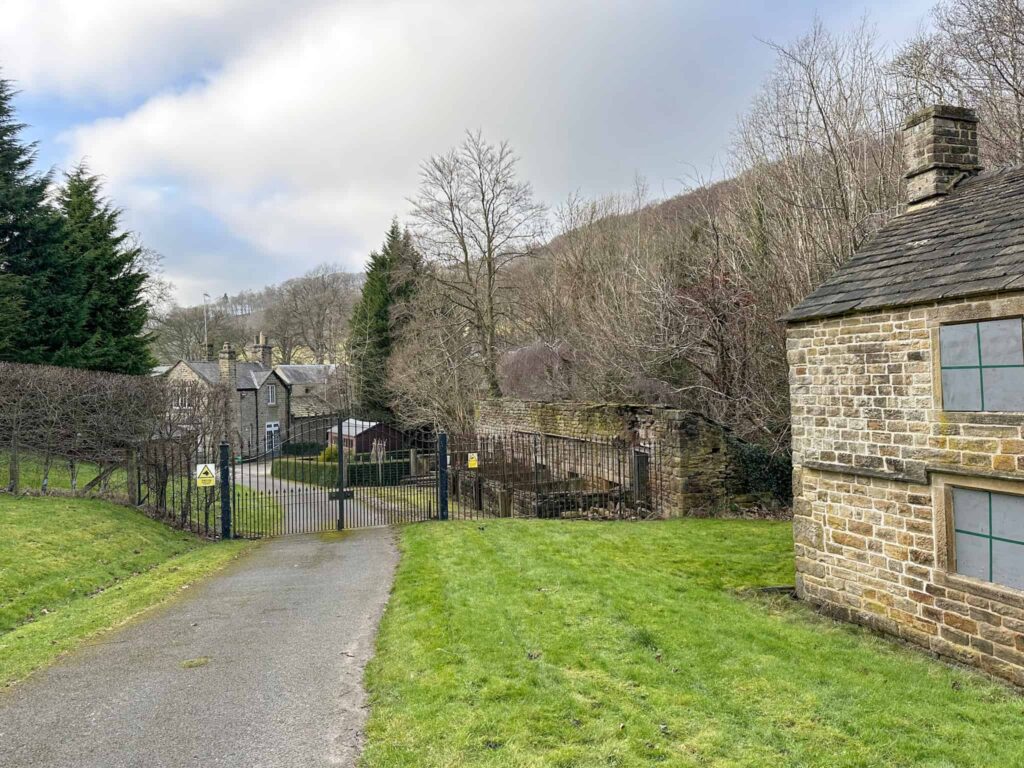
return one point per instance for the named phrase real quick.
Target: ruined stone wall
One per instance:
(875, 458)
(694, 470)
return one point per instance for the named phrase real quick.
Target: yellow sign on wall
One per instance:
(473, 461)
(206, 476)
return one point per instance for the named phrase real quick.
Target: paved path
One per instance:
(307, 508)
(287, 631)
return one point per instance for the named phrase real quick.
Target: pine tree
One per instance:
(39, 281)
(390, 280)
(112, 335)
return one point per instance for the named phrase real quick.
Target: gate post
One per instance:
(442, 476)
(225, 492)
(341, 476)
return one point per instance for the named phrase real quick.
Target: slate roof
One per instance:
(208, 371)
(304, 406)
(970, 243)
(250, 375)
(304, 374)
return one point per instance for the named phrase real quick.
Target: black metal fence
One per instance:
(305, 484)
(551, 476)
(167, 485)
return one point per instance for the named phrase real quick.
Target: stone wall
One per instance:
(694, 467)
(875, 457)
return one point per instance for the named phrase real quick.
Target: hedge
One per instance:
(326, 474)
(300, 449)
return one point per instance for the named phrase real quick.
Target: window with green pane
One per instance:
(982, 366)
(989, 536)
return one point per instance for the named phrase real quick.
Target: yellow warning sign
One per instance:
(473, 461)
(206, 477)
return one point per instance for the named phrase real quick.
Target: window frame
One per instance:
(947, 565)
(981, 367)
(271, 394)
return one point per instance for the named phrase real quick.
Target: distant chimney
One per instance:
(940, 147)
(228, 361)
(261, 352)
(210, 356)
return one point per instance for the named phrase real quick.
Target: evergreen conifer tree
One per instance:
(390, 280)
(112, 334)
(41, 284)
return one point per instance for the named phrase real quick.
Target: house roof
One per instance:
(210, 372)
(250, 375)
(354, 427)
(970, 243)
(310, 405)
(304, 374)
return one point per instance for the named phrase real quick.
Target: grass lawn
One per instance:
(71, 568)
(407, 497)
(255, 513)
(31, 474)
(550, 643)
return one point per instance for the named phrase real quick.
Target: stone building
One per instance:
(268, 403)
(907, 390)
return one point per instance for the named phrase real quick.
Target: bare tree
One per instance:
(316, 308)
(475, 218)
(179, 332)
(435, 374)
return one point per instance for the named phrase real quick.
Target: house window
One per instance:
(989, 536)
(271, 394)
(982, 366)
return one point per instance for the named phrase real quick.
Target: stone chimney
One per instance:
(210, 356)
(261, 352)
(228, 361)
(940, 148)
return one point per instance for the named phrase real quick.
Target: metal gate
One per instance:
(334, 473)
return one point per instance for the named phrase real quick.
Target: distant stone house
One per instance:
(269, 403)
(907, 391)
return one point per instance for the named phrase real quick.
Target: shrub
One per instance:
(763, 472)
(329, 454)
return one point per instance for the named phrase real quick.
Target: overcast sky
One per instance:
(249, 140)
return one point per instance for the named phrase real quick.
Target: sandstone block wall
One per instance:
(875, 458)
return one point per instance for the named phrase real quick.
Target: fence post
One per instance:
(225, 491)
(536, 476)
(341, 475)
(442, 476)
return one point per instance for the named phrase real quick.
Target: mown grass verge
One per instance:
(73, 568)
(551, 643)
(31, 470)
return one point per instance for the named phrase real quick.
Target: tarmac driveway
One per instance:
(260, 665)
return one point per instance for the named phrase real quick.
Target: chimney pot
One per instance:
(940, 146)
(228, 364)
(262, 352)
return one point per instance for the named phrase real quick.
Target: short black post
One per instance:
(536, 476)
(442, 476)
(225, 491)
(341, 475)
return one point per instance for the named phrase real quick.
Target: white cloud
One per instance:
(309, 141)
(298, 127)
(117, 49)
